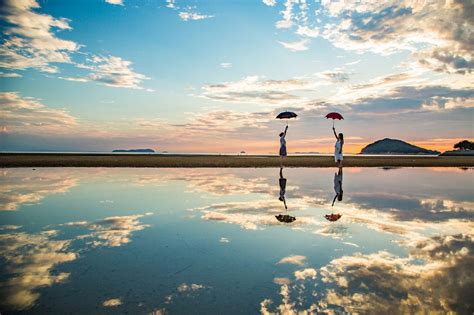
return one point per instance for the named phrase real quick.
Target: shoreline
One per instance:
(254, 161)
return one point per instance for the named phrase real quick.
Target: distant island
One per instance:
(394, 146)
(136, 151)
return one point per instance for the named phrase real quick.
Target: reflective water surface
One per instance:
(236, 240)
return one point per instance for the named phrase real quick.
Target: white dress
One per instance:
(337, 149)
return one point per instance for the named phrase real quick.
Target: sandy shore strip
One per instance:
(165, 160)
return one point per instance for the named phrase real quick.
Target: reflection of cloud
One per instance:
(113, 231)
(112, 302)
(294, 259)
(441, 282)
(23, 186)
(252, 215)
(407, 208)
(184, 287)
(29, 259)
(224, 240)
(436, 278)
(308, 273)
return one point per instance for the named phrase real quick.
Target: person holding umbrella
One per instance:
(283, 152)
(338, 147)
(340, 138)
(286, 116)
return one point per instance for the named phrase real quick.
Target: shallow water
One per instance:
(207, 241)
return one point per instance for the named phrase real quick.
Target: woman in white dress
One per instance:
(338, 147)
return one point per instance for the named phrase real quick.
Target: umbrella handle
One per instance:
(333, 123)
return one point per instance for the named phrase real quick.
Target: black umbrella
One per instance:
(286, 115)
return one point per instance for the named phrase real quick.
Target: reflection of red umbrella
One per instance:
(333, 217)
(334, 116)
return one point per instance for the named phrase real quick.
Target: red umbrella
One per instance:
(334, 116)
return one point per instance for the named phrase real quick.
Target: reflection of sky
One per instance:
(148, 240)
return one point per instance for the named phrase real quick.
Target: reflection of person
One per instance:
(338, 147)
(283, 144)
(282, 182)
(338, 186)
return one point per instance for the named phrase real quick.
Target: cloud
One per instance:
(293, 259)
(256, 90)
(30, 40)
(112, 303)
(111, 71)
(287, 15)
(422, 98)
(270, 3)
(308, 32)
(437, 33)
(115, 2)
(171, 4)
(335, 76)
(300, 45)
(226, 65)
(189, 15)
(23, 114)
(9, 75)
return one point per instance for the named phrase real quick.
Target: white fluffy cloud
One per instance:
(270, 3)
(300, 45)
(115, 2)
(190, 15)
(31, 41)
(23, 114)
(256, 90)
(111, 71)
(440, 34)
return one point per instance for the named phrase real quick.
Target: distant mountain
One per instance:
(136, 151)
(394, 146)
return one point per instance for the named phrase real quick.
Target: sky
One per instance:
(210, 76)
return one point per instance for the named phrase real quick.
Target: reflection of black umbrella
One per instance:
(285, 218)
(286, 115)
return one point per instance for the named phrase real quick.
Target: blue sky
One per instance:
(194, 76)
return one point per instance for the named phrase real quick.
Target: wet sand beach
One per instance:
(176, 160)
